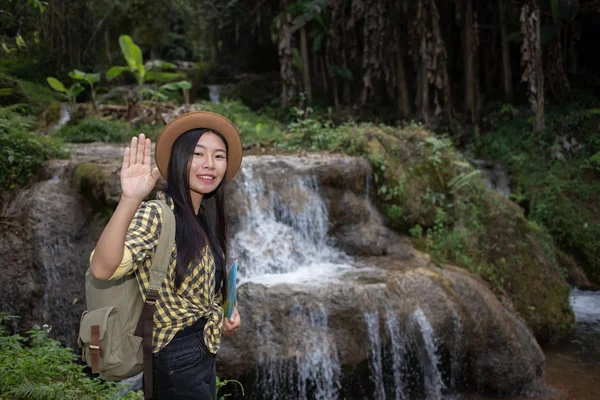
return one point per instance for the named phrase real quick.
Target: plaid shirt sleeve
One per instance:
(141, 239)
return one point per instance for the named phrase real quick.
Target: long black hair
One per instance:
(195, 231)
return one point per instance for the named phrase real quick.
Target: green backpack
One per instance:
(119, 317)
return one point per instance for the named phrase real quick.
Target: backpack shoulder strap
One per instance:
(162, 257)
(160, 267)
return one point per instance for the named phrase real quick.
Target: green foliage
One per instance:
(93, 129)
(90, 78)
(11, 91)
(555, 176)
(71, 93)
(224, 382)
(40, 95)
(37, 367)
(256, 129)
(133, 56)
(427, 189)
(22, 153)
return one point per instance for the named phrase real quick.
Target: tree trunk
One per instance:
(531, 58)
(403, 96)
(305, 65)
(506, 71)
(336, 94)
(323, 73)
(468, 56)
(286, 69)
(469, 47)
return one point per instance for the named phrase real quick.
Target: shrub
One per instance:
(92, 130)
(22, 153)
(554, 177)
(37, 367)
(254, 127)
(11, 91)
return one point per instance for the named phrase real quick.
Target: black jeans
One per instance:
(184, 370)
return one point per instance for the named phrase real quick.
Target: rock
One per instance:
(500, 353)
(330, 328)
(46, 254)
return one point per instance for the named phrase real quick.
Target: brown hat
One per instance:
(198, 120)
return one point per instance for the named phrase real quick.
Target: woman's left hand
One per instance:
(231, 325)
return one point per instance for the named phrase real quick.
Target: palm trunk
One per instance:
(506, 72)
(403, 97)
(305, 65)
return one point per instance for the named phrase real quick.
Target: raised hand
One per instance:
(137, 176)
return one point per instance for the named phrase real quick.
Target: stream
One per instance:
(573, 367)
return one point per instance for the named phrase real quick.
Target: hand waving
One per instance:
(137, 176)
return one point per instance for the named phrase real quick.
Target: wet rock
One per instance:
(490, 347)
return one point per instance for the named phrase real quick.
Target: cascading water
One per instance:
(284, 238)
(314, 372)
(375, 359)
(398, 349)
(414, 339)
(281, 237)
(428, 357)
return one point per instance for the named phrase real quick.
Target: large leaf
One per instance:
(84, 76)
(56, 84)
(133, 56)
(159, 65)
(77, 75)
(75, 90)
(176, 85)
(93, 78)
(115, 71)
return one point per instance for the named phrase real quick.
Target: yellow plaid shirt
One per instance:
(176, 308)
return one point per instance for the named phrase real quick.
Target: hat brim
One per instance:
(197, 120)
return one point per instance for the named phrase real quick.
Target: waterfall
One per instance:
(398, 349)
(417, 336)
(314, 372)
(214, 92)
(428, 358)
(283, 237)
(375, 359)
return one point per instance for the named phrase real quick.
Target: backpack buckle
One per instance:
(151, 296)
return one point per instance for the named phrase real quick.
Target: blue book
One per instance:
(232, 289)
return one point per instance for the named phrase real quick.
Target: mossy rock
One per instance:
(49, 116)
(11, 91)
(428, 190)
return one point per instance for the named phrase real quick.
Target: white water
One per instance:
(586, 306)
(375, 358)
(314, 372)
(283, 238)
(214, 92)
(398, 343)
(428, 358)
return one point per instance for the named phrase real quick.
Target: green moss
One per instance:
(428, 190)
(553, 177)
(22, 153)
(92, 130)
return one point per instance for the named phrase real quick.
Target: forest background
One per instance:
(515, 82)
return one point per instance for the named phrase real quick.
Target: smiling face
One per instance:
(208, 166)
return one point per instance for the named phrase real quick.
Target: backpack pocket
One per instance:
(99, 339)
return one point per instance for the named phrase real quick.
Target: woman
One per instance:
(197, 153)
